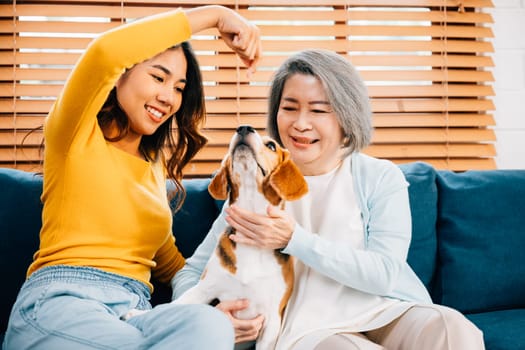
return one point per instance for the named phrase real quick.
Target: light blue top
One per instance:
(381, 268)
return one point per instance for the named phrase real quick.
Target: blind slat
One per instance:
(327, 30)
(391, 151)
(230, 75)
(259, 106)
(227, 60)
(230, 91)
(23, 123)
(396, 135)
(399, 3)
(328, 14)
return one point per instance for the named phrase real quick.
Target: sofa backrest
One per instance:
(194, 219)
(481, 241)
(423, 197)
(468, 236)
(20, 221)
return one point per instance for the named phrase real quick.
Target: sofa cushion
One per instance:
(20, 221)
(193, 221)
(481, 239)
(423, 205)
(190, 224)
(502, 330)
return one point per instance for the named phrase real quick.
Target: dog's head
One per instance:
(260, 161)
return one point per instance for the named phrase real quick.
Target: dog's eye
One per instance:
(271, 145)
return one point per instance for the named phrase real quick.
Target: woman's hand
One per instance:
(272, 231)
(245, 330)
(242, 37)
(238, 33)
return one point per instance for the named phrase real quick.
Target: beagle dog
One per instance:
(256, 172)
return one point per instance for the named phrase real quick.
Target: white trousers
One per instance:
(422, 327)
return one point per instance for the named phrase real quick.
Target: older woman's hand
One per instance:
(272, 231)
(245, 330)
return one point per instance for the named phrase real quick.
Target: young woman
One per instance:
(349, 235)
(106, 219)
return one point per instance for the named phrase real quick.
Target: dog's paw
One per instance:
(132, 313)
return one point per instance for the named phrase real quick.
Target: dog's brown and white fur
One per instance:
(256, 172)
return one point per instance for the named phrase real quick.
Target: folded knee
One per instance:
(454, 327)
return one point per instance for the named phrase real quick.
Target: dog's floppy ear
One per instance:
(285, 182)
(218, 186)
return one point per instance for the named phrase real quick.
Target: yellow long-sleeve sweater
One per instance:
(105, 208)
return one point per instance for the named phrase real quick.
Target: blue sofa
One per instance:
(468, 243)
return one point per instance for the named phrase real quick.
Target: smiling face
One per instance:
(151, 91)
(308, 126)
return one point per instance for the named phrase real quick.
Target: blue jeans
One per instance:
(65, 307)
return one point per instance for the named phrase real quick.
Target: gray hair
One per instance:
(345, 90)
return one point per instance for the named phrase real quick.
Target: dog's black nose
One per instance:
(244, 130)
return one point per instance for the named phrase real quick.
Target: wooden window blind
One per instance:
(427, 65)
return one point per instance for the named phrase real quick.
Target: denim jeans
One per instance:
(66, 307)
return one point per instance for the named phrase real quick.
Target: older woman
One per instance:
(350, 234)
